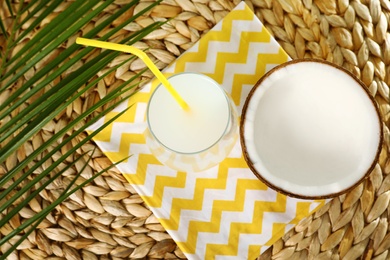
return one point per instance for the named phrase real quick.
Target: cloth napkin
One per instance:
(224, 212)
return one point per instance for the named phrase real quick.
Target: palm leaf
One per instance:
(39, 19)
(105, 100)
(47, 97)
(63, 56)
(19, 193)
(41, 215)
(2, 28)
(30, 221)
(40, 6)
(50, 41)
(31, 4)
(57, 96)
(117, 92)
(9, 7)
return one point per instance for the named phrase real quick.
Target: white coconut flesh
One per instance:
(311, 129)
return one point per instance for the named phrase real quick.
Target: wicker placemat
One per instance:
(108, 219)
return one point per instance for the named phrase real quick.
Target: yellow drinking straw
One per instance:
(142, 55)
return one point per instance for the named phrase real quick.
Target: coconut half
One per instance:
(310, 129)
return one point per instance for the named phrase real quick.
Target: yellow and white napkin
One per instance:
(224, 212)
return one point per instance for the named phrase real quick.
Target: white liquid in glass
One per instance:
(196, 139)
(311, 129)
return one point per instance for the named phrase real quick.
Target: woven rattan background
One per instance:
(108, 220)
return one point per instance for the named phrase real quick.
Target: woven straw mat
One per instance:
(353, 34)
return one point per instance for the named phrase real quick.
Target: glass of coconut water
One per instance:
(192, 122)
(195, 139)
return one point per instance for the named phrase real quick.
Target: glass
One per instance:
(195, 140)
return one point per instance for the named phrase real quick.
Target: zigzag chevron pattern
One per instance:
(224, 212)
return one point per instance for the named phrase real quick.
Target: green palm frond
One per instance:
(39, 19)
(2, 28)
(9, 6)
(28, 105)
